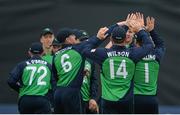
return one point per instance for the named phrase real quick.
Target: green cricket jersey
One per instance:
(36, 78)
(85, 88)
(146, 76)
(48, 58)
(67, 63)
(117, 73)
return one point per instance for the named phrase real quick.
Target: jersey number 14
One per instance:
(121, 71)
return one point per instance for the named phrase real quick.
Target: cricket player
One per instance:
(118, 65)
(32, 80)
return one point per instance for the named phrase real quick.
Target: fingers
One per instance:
(140, 18)
(137, 15)
(139, 21)
(147, 19)
(128, 16)
(132, 16)
(104, 30)
(101, 33)
(150, 23)
(86, 72)
(152, 20)
(135, 26)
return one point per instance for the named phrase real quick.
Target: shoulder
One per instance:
(22, 63)
(20, 66)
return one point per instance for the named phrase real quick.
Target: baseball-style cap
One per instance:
(46, 31)
(81, 34)
(36, 48)
(55, 42)
(63, 34)
(118, 33)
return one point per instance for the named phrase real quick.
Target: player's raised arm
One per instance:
(158, 41)
(137, 26)
(89, 51)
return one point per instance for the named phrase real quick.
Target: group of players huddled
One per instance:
(59, 77)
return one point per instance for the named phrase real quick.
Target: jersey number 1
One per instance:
(146, 69)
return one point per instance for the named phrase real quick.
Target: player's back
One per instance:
(35, 78)
(146, 76)
(117, 74)
(68, 63)
(147, 69)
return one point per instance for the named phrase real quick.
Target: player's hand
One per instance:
(135, 26)
(86, 72)
(129, 18)
(150, 23)
(140, 18)
(102, 33)
(93, 106)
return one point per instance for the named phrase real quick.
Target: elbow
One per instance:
(151, 46)
(10, 82)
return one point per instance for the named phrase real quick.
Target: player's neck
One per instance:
(47, 51)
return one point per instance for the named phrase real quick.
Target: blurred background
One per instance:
(22, 21)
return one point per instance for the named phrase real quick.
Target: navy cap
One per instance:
(36, 48)
(55, 42)
(63, 34)
(81, 34)
(118, 33)
(46, 31)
